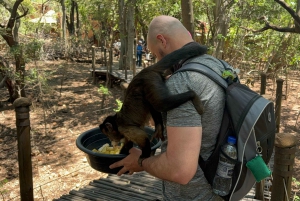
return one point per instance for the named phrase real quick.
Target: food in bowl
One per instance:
(107, 149)
(94, 139)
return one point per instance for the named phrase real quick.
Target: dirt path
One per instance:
(70, 105)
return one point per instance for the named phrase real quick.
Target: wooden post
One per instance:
(263, 83)
(93, 64)
(125, 67)
(278, 103)
(124, 86)
(285, 148)
(110, 60)
(259, 190)
(105, 57)
(286, 84)
(24, 149)
(133, 67)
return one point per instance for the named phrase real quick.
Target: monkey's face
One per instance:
(110, 129)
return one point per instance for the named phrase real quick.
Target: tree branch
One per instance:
(289, 9)
(14, 12)
(24, 14)
(272, 27)
(267, 26)
(229, 4)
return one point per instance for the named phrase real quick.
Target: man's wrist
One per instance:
(140, 161)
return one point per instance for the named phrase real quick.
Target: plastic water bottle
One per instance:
(223, 179)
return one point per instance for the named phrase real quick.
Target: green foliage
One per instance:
(104, 90)
(242, 44)
(119, 104)
(297, 185)
(2, 183)
(296, 182)
(29, 51)
(259, 48)
(36, 78)
(33, 49)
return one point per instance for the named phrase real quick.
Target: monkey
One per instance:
(147, 96)
(250, 81)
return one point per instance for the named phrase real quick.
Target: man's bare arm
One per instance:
(179, 163)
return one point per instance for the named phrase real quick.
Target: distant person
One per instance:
(139, 53)
(148, 57)
(117, 46)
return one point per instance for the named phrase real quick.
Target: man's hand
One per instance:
(130, 163)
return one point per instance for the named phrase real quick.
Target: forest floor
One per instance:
(69, 105)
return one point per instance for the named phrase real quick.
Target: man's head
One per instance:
(165, 35)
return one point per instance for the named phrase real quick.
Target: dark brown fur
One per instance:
(147, 95)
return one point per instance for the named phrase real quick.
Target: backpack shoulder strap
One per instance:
(205, 70)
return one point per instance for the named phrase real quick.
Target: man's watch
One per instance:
(140, 161)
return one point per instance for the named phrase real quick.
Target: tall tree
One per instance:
(64, 16)
(187, 15)
(130, 32)
(122, 13)
(71, 22)
(11, 36)
(221, 16)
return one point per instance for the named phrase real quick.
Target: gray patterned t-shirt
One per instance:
(212, 96)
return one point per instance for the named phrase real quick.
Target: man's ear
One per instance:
(109, 127)
(161, 40)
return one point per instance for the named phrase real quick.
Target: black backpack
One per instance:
(247, 116)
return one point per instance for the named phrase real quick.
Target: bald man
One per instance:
(188, 134)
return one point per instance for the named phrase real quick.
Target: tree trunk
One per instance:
(6, 80)
(187, 16)
(131, 33)
(221, 24)
(20, 73)
(122, 33)
(77, 20)
(71, 23)
(63, 8)
(12, 38)
(297, 24)
(142, 23)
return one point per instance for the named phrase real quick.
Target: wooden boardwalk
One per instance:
(140, 186)
(116, 74)
(137, 187)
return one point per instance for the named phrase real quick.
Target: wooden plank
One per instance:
(128, 190)
(89, 196)
(136, 176)
(61, 198)
(147, 185)
(111, 194)
(141, 182)
(125, 190)
(138, 189)
(99, 193)
(137, 179)
(72, 197)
